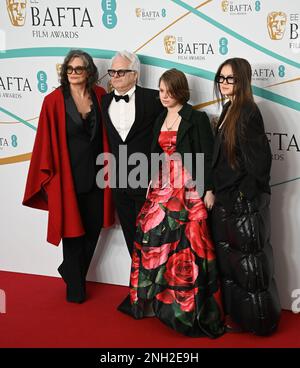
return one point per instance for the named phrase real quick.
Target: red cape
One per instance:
(50, 183)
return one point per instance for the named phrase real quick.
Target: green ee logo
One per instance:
(223, 46)
(281, 71)
(42, 81)
(257, 5)
(109, 18)
(14, 141)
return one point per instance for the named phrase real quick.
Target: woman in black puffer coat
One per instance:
(240, 217)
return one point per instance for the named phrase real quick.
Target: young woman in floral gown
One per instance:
(173, 272)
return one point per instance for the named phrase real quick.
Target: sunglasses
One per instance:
(120, 72)
(78, 69)
(229, 79)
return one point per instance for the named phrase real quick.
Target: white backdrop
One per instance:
(202, 35)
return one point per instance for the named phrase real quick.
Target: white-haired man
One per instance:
(129, 113)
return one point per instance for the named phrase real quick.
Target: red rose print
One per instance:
(197, 210)
(181, 269)
(133, 295)
(186, 299)
(162, 195)
(174, 204)
(152, 217)
(153, 257)
(137, 245)
(134, 278)
(199, 239)
(167, 296)
(135, 260)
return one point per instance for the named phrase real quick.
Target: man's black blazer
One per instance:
(139, 138)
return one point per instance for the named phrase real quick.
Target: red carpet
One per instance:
(38, 316)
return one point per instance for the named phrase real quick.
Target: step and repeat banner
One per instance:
(193, 36)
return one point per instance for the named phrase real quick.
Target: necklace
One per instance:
(169, 128)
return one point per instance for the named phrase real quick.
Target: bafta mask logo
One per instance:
(138, 12)
(225, 5)
(58, 70)
(170, 44)
(17, 12)
(276, 25)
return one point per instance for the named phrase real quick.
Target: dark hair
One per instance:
(176, 84)
(91, 68)
(242, 95)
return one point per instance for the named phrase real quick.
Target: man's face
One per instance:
(276, 25)
(125, 83)
(170, 42)
(17, 11)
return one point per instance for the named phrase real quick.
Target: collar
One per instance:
(129, 93)
(186, 111)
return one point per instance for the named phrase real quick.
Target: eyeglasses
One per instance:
(78, 69)
(229, 79)
(120, 72)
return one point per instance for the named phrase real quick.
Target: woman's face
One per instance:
(76, 71)
(227, 86)
(166, 99)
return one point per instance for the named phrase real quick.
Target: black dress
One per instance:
(241, 226)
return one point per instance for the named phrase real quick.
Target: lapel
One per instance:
(139, 112)
(218, 135)
(216, 149)
(97, 116)
(185, 125)
(156, 131)
(106, 100)
(71, 109)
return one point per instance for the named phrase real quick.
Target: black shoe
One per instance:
(78, 301)
(75, 296)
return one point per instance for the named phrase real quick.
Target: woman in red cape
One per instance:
(62, 172)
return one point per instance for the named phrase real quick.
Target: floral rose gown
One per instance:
(173, 261)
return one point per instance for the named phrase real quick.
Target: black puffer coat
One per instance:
(241, 226)
(245, 260)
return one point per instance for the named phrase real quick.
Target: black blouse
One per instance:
(84, 140)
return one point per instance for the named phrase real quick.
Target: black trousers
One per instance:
(128, 204)
(245, 262)
(78, 252)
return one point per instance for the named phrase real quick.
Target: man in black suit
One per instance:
(129, 114)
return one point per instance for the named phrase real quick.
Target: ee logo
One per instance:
(14, 140)
(281, 71)
(109, 18)
(223, 46)
(42, 81)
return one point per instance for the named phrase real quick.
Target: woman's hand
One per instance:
(209, 199)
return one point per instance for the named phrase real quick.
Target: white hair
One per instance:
(134, 60)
